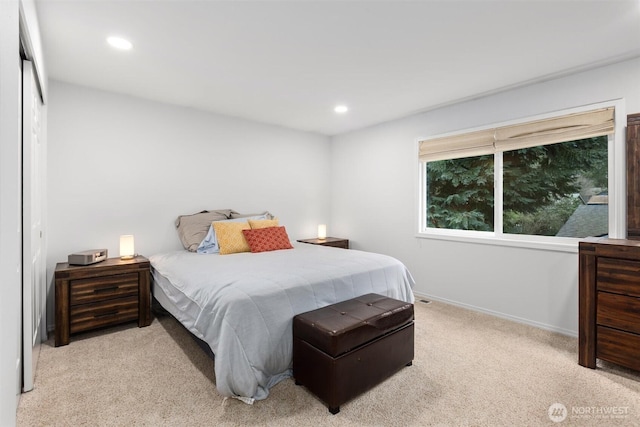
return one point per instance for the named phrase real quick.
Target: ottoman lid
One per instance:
(338, 328)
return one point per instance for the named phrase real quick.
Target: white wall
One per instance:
(18, 20)
(374, 193)
(123, 165)
(10, 212)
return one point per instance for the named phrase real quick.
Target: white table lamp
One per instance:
(127, 250)
(322, 231)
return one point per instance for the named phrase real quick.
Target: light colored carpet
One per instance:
(470, 369)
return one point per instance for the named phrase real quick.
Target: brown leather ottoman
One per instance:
(344, 349)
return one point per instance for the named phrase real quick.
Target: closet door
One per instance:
(33, 263)
(633, 176)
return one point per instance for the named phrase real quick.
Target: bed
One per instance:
(242, 305)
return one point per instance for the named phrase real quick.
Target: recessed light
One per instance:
(119, 43)
(341, 109)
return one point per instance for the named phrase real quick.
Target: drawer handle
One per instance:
(110, 313)
(109, 289)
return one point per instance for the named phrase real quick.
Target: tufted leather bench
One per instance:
(345, 349)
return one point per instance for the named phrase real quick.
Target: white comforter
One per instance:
(243, 304)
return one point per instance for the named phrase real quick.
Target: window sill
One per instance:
(564, 244)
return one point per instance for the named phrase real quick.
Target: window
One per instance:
(557, 190)
(547, 177)
(459, 194)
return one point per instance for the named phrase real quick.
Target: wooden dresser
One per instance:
(103, 294)
(633, 176)
(609, 302)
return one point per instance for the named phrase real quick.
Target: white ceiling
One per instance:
(290, 62)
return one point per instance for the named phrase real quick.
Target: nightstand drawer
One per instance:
(88, 316)
(102, 288)
(620, 276)
(619, 311)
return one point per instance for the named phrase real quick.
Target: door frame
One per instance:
(33, 251)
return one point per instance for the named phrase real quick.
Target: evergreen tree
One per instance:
(536, 183)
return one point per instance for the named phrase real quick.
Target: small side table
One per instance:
(107, 293)
(335, 242)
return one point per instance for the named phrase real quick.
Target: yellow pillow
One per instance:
(230, 237)
(263, 223)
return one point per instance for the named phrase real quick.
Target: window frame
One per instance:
(616, 189)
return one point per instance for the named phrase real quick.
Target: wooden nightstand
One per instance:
(336, 242)
(103, 294)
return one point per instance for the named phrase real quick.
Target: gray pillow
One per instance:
(193, 228)
(235, 215)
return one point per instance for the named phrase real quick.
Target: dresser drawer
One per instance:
(88, 316)
(95, 289)
(618, 347)
(619, 276)
(619, 311)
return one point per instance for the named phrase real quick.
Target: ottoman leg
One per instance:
(334, 410)
(408, 364)
(297, 382)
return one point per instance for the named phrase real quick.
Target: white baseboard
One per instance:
(501, 315)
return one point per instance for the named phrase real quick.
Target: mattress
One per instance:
(242, 305)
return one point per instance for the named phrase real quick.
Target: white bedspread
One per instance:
(243, 304)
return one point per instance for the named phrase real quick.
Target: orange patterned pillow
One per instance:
(267, 239)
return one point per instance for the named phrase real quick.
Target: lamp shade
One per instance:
(126, 246)
(322, 231)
